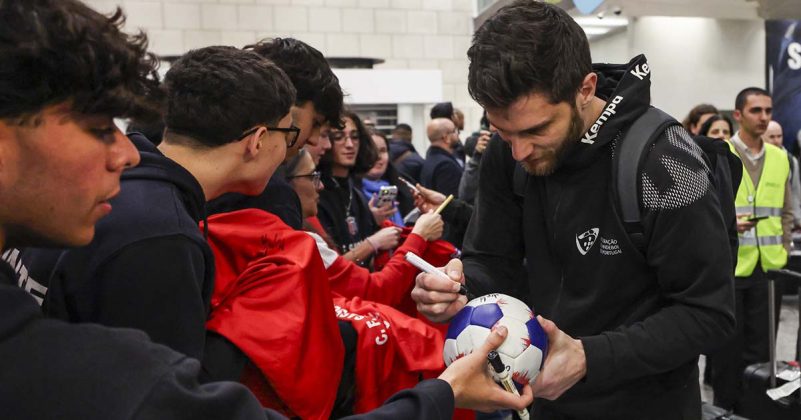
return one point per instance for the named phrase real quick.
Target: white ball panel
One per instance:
(449, 351)
(473, 336)
(517, 339)
(528, 363)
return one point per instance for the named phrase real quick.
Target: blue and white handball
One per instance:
(524, 349)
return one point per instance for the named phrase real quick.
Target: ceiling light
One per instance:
(595, 30)
(607, 21)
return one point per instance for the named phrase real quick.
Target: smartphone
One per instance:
(386, 194)
(756, 218)
(409, 184)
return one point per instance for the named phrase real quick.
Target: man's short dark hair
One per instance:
(442, 110)
(527, 47)
(403, 126)
(214, 94)
(739, 102)
(57, 51)
(310, 73)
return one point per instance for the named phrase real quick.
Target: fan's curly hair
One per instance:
(61, 51)
(310, 73)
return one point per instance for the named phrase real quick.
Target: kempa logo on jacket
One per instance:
(586, 240)
(592, 133)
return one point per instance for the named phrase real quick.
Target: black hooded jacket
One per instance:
(148, 267)
(560, 245)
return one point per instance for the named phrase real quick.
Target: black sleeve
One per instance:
(178, 396)
(688, 251)
(431, 399)
(327, 217)
(155, 286)
(457, 213)
(446, 178)
(493, 245)
(456, 217)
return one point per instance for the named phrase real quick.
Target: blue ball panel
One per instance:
(537, 335)
(486, 315)
(459, 322)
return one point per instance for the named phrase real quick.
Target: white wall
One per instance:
(693, 60)
(408, 34)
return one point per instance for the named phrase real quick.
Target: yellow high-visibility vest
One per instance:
(763, 243)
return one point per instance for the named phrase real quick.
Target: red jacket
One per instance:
(394, 350)
(270, 282)
(393, 278)
(273, 301)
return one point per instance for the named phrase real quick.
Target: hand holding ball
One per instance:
(524, 349)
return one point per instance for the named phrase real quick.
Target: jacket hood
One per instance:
(155, 166)
(626, 88)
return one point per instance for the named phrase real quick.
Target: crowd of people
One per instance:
(239, 253)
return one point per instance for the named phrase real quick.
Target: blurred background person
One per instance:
(697, 117)
(384, 174)
(474, 147)
(446, 110)
(441, 170)
(403, 154)
(717, 127)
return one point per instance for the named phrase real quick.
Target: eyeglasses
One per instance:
(291, 137)
(337, 135)
(315, 177)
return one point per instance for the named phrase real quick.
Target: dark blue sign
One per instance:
(783, 62)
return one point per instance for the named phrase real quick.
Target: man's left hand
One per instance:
(564, 366)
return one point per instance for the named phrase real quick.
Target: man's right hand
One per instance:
(439, 299)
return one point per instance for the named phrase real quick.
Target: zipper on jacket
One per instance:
(554, 220)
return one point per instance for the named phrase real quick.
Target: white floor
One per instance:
(786, 339)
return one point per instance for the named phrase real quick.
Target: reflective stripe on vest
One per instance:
(763, 243)
(760, 211)
(762, 240)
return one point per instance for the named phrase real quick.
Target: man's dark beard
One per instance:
(567, 144)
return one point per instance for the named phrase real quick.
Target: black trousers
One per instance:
(749, 344)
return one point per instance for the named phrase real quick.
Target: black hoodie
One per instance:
(642, 319)
(148, 267)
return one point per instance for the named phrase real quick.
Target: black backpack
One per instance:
(726, 170)
(725, 167)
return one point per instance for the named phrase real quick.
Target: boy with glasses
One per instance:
(318, 102)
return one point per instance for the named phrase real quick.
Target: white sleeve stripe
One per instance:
(328, 254)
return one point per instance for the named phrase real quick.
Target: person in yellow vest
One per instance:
(764, 223)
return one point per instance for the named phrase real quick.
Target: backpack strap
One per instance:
(628, 158)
